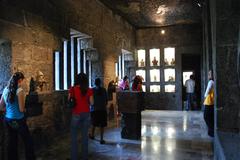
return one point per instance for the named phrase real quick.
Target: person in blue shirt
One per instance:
(13, 100)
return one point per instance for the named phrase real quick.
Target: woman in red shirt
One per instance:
(80, 115)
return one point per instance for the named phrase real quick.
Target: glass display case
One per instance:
(155, 88)
(169, 75)
(154, 57)
(141, 73)
(157, 69)
(144, 88)
(154, 75)
(169, 56)
(169, 88)
(141, 58)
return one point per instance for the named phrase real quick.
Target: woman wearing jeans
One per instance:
(13, 100)
(80, 115)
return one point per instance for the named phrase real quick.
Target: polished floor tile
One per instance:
(166, 135)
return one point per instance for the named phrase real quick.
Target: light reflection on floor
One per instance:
(166, 135)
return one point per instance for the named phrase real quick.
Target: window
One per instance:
(71, 60)
(57, 70)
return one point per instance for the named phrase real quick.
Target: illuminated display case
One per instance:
(141, 58)
(169, 56)
(144, 88)
(169, 75)
(154, 57)
(155, 88)
(169, 88)
(157, 70)
(154, 75)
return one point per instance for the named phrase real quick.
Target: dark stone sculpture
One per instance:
(130, 104)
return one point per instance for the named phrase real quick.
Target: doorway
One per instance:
(191, 65)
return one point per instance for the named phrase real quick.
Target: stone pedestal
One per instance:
(130, 105)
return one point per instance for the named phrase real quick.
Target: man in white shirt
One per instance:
(190, 85)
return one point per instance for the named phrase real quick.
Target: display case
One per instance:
(169, 56)
(144, 88)
(155, 88)
(154, 57)
(141, 58)
(154, 75)
(169, 88)
(157, 70)
(169, 75)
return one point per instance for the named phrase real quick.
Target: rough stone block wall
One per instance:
(37, 28)
(5, 62)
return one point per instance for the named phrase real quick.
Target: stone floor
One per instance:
(166, 135)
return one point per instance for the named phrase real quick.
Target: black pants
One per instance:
(209, 119)
(15, 128)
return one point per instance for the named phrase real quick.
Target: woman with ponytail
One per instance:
(13, 99)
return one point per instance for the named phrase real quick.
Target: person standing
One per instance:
(80, 115)
(209, 105)
(13, 100)
(99, 113)
(190, 86)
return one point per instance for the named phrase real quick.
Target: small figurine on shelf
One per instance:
(142, 63)
(166, 62)
(170, 78)
(155, 78)
(173, 62)
(154, 61)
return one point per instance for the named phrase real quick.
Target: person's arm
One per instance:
(2, 104)
(209, 87)
(21, 100)
(91, 100)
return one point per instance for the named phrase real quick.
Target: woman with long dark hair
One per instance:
(13, 99)
(80, 115)
(209, 105)
(99, 113)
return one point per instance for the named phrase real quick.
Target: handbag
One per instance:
(71, 103)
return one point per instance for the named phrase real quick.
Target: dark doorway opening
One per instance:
(192, 63)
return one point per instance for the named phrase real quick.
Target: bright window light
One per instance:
(57, 74)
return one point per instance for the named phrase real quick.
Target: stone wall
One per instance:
(5, 62)
(187, 39)
(37, 28)
(226, 47)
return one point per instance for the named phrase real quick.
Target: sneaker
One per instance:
(102, 142)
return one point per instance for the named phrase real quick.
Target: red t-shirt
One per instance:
(82, 102)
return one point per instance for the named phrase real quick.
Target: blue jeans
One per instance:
(82, 122)
(190, 97)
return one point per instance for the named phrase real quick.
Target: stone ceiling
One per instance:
(156, 13)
